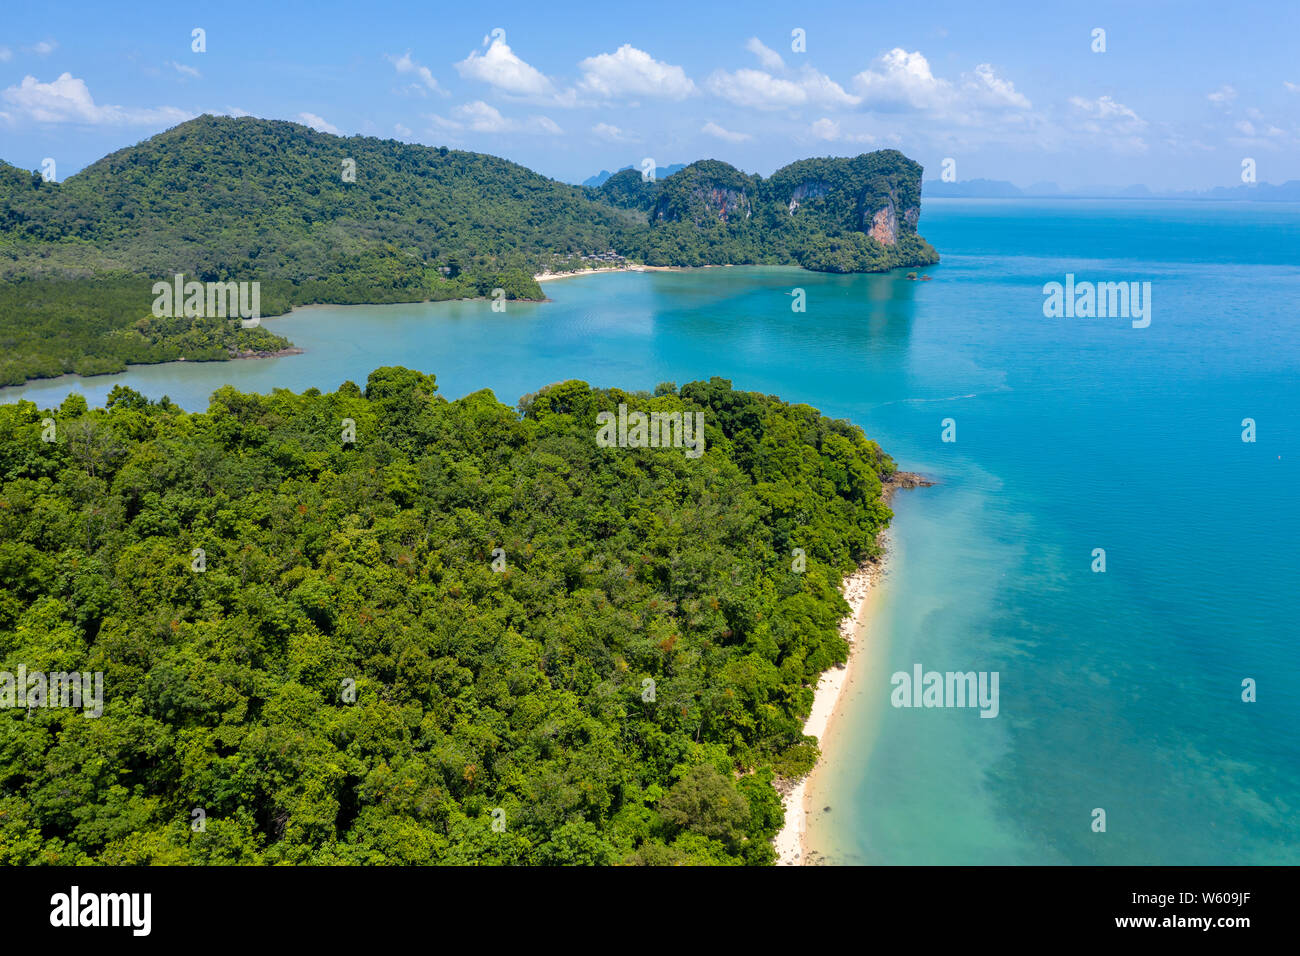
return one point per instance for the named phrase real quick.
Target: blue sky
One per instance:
(1182, 94)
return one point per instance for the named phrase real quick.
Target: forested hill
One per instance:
(831, 215)
(470, 635)
(247, 198)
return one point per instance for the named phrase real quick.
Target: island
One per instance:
(375, 626)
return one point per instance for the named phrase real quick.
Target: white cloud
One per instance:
(632, 72)
(44, 48)
(1293, 87)
(1105, 108)
(1113, 122)
(759, 90)
(824, 91)
(185, 70)
(405, 65)
(754, 88)
(480, 117)
(612, 133)
(499, 67)
(713, 129)
(826, 129)
(902, 80)
(767, 57)
(68, 100)
(1261, 126)
(829, 130)
(1224, 94)
(985, 88)
(402, 131)
(319, 124)
(6, 54)
(477, 116)
(1257, 132)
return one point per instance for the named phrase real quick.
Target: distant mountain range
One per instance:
(999, 189)
(604, 174)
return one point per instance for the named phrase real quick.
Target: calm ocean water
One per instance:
(1119, 690)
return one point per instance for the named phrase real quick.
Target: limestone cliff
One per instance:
(851, 214)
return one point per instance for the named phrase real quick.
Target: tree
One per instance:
(705, 802)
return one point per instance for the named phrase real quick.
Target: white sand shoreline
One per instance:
(856, 588)
(791, 842)
(551, 276)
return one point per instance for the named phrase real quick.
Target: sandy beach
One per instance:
(549, 276)
(856, 588)
(552, 276)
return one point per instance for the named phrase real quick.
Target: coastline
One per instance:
(551, 276)
(856, 588)
(791, 849)
(250, 354)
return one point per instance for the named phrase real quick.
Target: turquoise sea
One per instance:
(1119, 690)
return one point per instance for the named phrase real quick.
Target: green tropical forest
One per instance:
(318, 218)
(376, 626)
